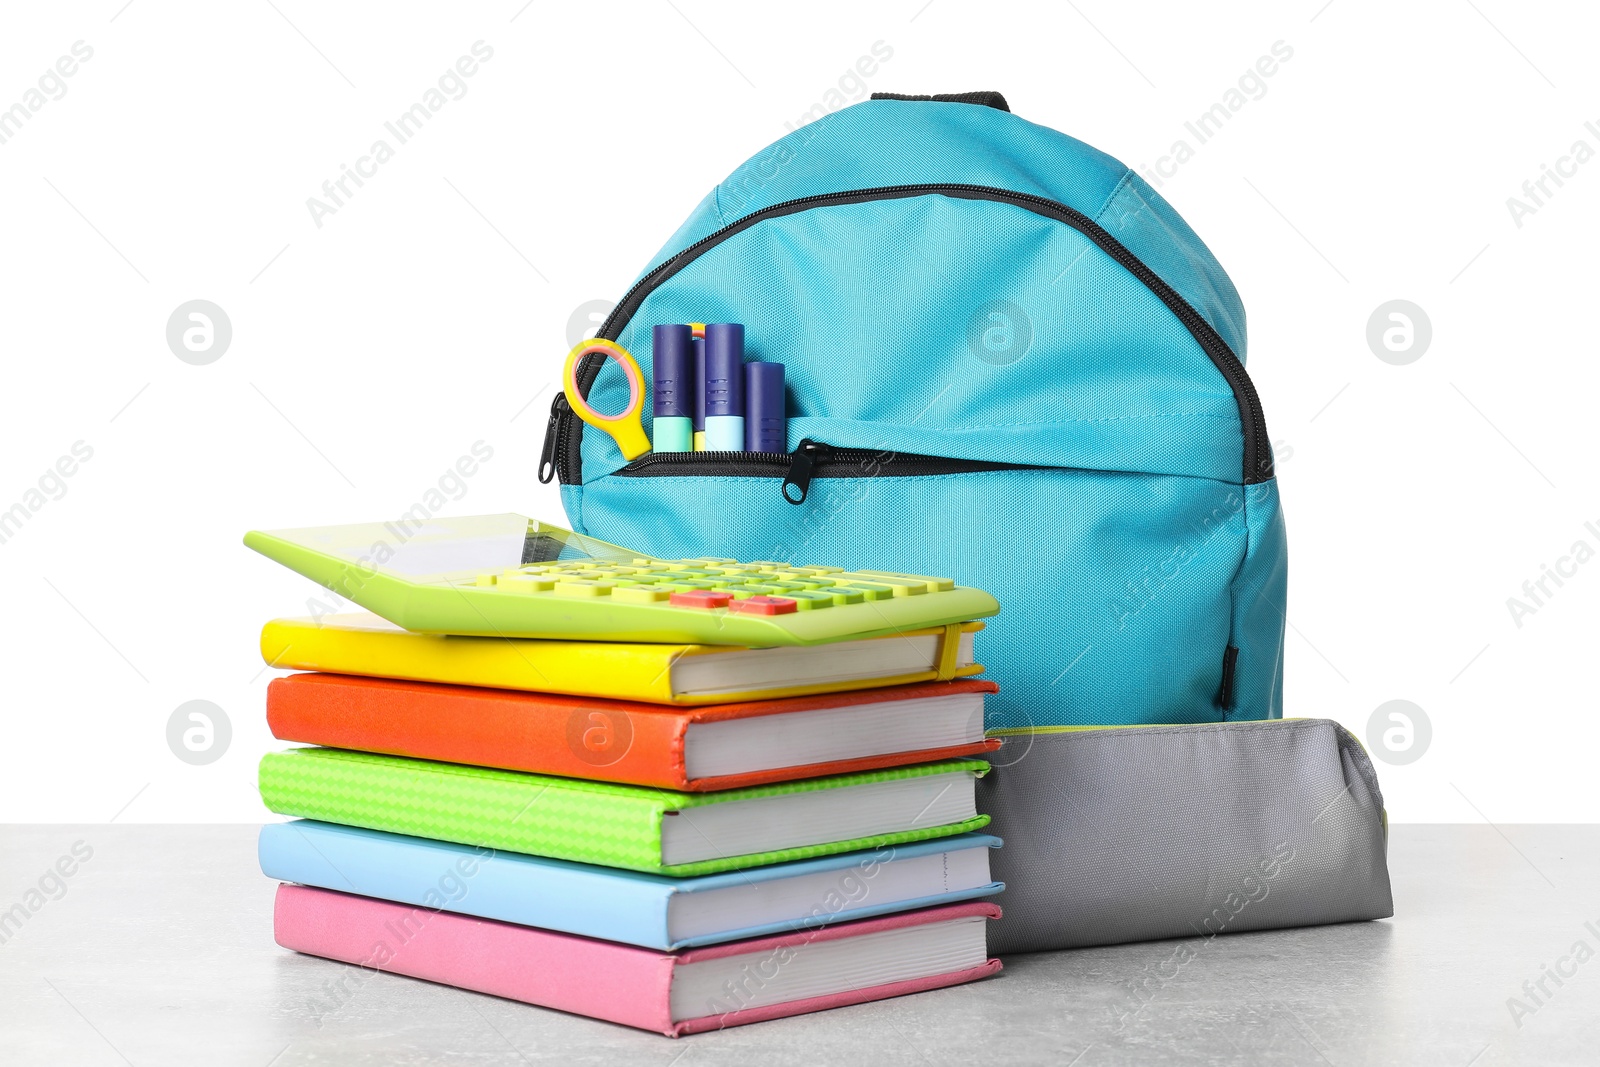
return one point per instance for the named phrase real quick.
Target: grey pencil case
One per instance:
(1132, 833)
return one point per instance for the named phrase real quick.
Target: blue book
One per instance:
(653, 911)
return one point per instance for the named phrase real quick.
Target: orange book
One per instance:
(693, 749)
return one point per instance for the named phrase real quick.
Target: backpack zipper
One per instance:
(797, 468)
(562, 455)
(555, 436)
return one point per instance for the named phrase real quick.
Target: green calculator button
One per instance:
(906, 586)
(526, 583)
(843, 595)
(869, 590)
(583, 587)
(639, 594)
(810, 600)
(901, 585)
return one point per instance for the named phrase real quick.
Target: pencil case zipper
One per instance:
(811, 459)
(561, 455)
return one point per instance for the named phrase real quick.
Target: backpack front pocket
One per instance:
(1115, 588)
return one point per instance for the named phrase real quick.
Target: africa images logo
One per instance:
(599, 738)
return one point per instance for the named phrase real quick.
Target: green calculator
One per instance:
(512, 576)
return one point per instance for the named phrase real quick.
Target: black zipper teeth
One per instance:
(1257, 452)
(719, 464)
(561, 415)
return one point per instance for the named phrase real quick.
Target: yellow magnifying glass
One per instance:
(625, 427)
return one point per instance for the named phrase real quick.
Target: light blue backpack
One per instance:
(1009, 362)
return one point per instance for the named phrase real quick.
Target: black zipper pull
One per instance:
(547, 457)
(801, 462)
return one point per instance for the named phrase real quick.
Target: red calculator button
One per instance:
(764, 605)
(700, 598)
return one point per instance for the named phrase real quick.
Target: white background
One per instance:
(431, 311)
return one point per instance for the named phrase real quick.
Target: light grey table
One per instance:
(158, 950)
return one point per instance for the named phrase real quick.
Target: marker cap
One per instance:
(724, 433)
(672, 435)
(724, 380)
(672, 360)
(764, 427)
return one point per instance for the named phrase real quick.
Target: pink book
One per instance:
(674, 993)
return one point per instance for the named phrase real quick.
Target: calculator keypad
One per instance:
(760, 587)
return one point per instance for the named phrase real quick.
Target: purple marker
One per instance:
(672, 360)
(724, 387)
(765, 428)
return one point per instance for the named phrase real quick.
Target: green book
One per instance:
(639, 829)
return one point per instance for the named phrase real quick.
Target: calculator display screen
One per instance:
(451, 549)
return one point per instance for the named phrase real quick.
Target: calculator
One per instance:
(512, 576)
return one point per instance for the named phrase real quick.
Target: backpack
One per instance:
(1009, 362)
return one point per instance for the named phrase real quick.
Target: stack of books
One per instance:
(674, 837)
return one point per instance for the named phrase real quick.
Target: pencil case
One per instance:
(1117, 834)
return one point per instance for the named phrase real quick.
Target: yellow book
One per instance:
(364, 644)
